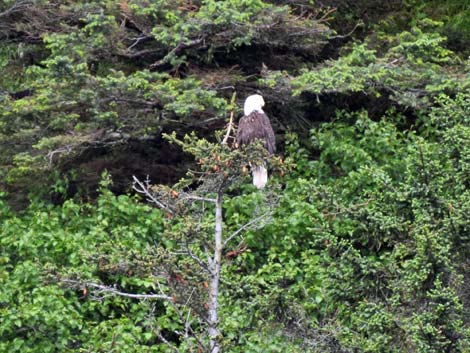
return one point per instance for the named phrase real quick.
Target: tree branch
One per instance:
(18, 6)
(143, 189)
(187, 251)
(114, 291)
(164, 340)
(230, 122)
(342, 36)
(245, 226)
(175, 51)
(140, 39)
(197, 198)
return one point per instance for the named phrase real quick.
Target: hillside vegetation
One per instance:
(361, 241)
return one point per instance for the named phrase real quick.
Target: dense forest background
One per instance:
(366, 247)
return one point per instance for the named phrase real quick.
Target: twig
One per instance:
(187, 324)
(230, 123)
(206, 121)
(142, 189)
(65, 149)
(164, 340)
(189, 327)
(326, 14)
(175, 51)
(16, 7)
(197, 198)
(114, 291)
(342, 36)
(245, 226)
(138, 40)
(198, 260)
(229, 128)
(209, 258)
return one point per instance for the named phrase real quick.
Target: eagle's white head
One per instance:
(252, 103)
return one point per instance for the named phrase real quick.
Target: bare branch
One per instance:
(325, 18)
(229, 129)
(114, 291)
(187, 324)
(143, 189)
(140, 53)
(140, 39)
(164, 340)
(18, 6)
(65, 149)
(197, 259)
(208, 255)
(187, 251)
(348, 34)
(245, 226)
(188, 327)
(175, 51)
(206, 121)
(197, 198)
(230, 123)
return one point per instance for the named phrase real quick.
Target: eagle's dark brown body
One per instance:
(256, 125)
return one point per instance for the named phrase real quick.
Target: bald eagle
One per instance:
(254, 125)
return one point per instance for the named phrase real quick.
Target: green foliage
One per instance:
(128, 68)
(49, 254)
(104, 240)
(455, 14)
(367, 250)
(364, 251)
(365, 244)
(414, 66)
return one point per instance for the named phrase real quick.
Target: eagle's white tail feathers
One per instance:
(260, 176)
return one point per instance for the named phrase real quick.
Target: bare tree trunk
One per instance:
(213, 328)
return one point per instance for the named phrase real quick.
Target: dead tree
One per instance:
(201, 245)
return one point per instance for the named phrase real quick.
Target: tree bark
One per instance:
(213, 329)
